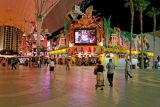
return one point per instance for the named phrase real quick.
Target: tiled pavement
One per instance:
(35, 87)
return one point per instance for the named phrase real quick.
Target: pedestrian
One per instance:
(9, 62)
(47, 61)
(127, 69)
(158, 64)
(26, 62)
(3, 62)
(13, 63)
(38, 62)
(41, 61)
(30, 62)
(98, 71)
(51, 66)
(67, 65)
(110, 73)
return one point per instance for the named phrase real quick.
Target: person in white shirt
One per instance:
(127, 69)
(158, 65)
(51, 65)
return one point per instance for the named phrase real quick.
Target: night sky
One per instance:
(120, 16)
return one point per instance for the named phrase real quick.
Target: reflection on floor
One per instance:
(36, 87)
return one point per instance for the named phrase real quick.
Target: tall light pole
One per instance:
(39, 25)
(41, 10)
(39, 18)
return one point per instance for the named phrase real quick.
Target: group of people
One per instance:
(10, 62)
(99, 69)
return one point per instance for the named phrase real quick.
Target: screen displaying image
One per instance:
(85, 36)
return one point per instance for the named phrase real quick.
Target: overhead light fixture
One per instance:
(46, 32)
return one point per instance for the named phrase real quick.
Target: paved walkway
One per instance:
(36, 87)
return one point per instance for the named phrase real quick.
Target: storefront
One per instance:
(91, 39)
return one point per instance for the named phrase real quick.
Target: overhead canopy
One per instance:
(20, 13)
(56, 17)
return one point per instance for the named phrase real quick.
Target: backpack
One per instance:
(100, 68)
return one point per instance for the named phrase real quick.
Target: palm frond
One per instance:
(143, 4)
(150, 13)
(127, 4)
(153, 11)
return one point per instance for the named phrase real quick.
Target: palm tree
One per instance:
(141, 5)
(107, 30)
(153, 13)
(131, 4)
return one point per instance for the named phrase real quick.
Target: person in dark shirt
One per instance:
(99, 74)
(13, 63)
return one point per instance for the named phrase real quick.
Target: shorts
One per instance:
(51, 68)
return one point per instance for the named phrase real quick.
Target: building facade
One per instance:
(9, 38)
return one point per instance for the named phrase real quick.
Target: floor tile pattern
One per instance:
(37, 87)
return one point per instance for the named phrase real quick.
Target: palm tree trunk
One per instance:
(107, 38)
(154, 45)
(141, 28)
(132, 21)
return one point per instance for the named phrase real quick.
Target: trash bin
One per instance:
(133, 66)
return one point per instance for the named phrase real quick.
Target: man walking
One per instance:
(110, 73)
(13, 63)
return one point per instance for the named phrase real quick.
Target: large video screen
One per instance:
(85, 36)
